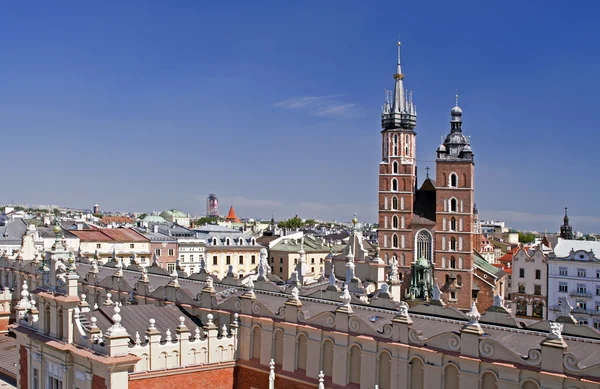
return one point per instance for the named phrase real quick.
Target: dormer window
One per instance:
(214, 241)
(227, 241)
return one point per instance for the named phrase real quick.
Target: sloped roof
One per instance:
(485, 266)
(116, 219)
(110, 235)
(564, 247)
(231, 216)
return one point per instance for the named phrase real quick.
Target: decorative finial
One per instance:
(181, 321)
(197, 333)
(137, 338)
(209, 319)
(321, 380)
(168, 337)
(345, 297)
(250, 285)
(152, 326)
(473, 315)
(94, 320)
(295, 293)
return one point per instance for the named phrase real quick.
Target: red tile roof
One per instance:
(110, 235)
(116, 219)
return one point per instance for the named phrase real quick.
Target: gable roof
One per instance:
(485, 266)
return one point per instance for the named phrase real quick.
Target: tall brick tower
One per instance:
(455, 215)
(397, 174)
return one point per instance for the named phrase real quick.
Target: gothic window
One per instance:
(453, 224)
(395, 241)
(443, 178)
(465, 180)
(424, 245)
(443, 262)
(453, 180)
(407, 145)
(395, 185)
(453, 244)
(255, 340)
(402, 203)
(395, 144)
(453, 205)
(452, 263)
(444, 224)
(395, 222)
(385, 203)
(460, 263)
(403, 240)
(403, 260)
(394, 203)
(459, 280)
(460, 244)
(385, 224)
(402, 224)
(395, 167)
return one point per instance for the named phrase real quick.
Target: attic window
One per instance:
(374, 319)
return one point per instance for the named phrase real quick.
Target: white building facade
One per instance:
(574, 273)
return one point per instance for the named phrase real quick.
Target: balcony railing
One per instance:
(586, 311)
(578, 294)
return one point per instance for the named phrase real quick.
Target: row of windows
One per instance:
(580, 288)
(227, 259)
(394, 203)
(395, 224)
(537, 289)
(454, 225)
(170, 252)
(582, 273)
(538, 273)
(395, 145)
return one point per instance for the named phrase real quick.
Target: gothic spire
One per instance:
(399, 102)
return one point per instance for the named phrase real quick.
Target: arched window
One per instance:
(278, 348)
(447, 277)
(453, 244)
(459, 280)
(385, 371)
(394, 203)
(451, 377)
(395, 222)
(423, 243)
(465, 183)
(385, 203)
(396, 144)
(488, 381)
(59, 323)
(460, 263)
(327, 358)
(47, 320)
(395, 241)
(453, 180)
(443, 262)
(395, 167)
(453, 224)
(444, 179)
(416, 374)
(256, 339)
(301, 352)
(354, 365)
(453, 205)
(403, 259)
(530, 385)
(403, 223)
(395, 185)
(407, 146)
(452, 263)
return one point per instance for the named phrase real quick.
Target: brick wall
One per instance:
(98, 382)
(23, 368)
(216, 378)
(246, 378)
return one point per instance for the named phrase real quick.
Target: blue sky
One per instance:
(274, 106)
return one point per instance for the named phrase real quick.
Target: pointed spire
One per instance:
(399, 99)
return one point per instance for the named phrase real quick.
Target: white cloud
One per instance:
(324, 106)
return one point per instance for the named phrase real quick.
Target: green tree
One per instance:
(526, 237)
(293, 223)
(204, 221)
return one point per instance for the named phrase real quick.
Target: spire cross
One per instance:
(457, 97)
(427, 171)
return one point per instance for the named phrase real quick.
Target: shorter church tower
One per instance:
(455, 221)
(566, 230)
